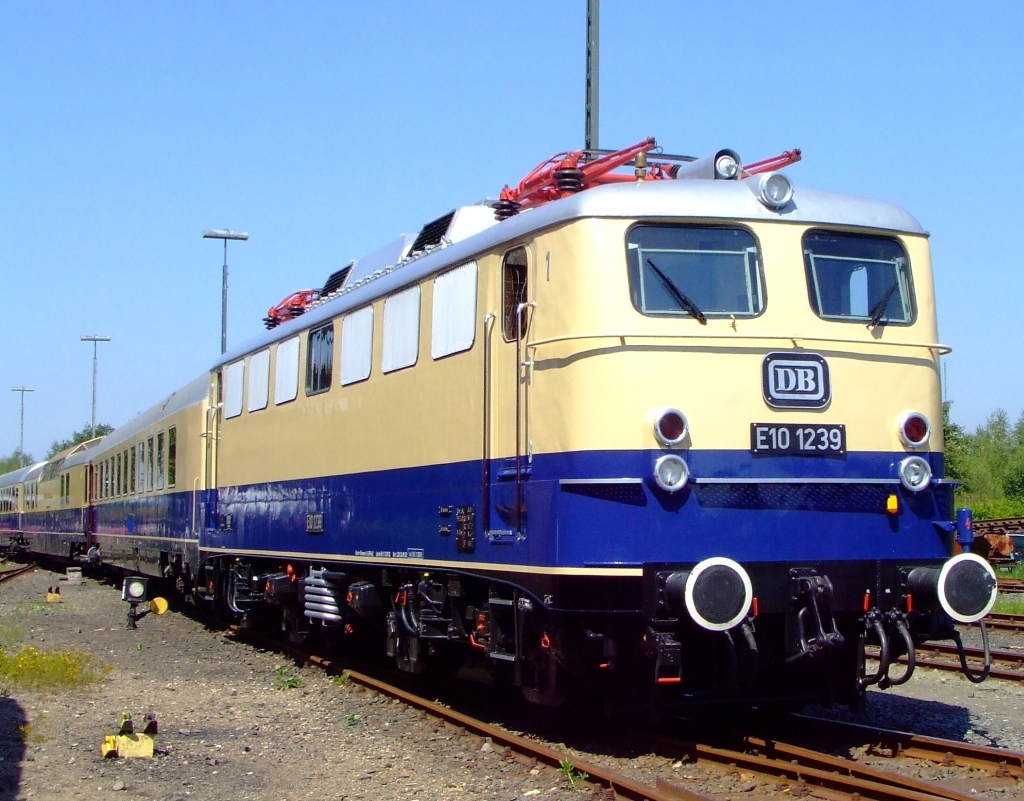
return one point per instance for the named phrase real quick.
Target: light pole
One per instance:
(593, 65)
(94, 339)
(225, 235)
(21, 441)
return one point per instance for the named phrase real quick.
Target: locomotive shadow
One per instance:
(12, 747)
(917, 715)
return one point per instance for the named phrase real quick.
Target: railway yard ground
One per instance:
(237, 721)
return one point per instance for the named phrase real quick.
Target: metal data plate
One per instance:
(793, 439)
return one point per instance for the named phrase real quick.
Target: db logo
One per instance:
(795, 380)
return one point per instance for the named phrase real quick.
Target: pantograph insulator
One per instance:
(568, 180)
(504, 209)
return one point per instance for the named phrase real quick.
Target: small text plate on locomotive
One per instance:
(793, 439)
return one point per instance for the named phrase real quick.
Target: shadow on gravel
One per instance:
(12, 747)
(918, 716)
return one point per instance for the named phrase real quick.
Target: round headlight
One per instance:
(671, 473)
(915, 473)
(136, 589)
(915, 430)
(726, 167)
(774, 189)
(670, 427)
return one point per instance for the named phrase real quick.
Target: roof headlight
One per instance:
(915, 473)
(773, 189)
(671, 473)
(727, 166)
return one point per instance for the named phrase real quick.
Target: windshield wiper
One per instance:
(879, 310)
(679, 295)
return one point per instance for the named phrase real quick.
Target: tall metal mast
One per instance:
(593, 69)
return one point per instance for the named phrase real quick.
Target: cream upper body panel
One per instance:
(609, 363)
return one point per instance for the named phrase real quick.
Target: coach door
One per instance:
(89, 505)
(507, 458)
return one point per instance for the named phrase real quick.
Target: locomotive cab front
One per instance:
(741, 405)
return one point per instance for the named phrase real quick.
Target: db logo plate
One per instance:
(795, 381)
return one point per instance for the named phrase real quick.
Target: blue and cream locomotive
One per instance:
(668, 433)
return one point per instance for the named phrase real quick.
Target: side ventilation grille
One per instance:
(432, 233)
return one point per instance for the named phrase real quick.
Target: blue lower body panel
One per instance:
(412, 512)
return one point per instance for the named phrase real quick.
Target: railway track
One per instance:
(7, 575)
(1010, 585)
(792, 770)
(1003, 621)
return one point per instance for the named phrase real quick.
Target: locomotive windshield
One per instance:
(696, 271)
(859, 278)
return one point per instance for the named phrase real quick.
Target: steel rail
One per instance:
(1004, 621)
(621, 785)
(803, 768)
(810, 772)
(7, 575)
(934, 655)
(894, 743)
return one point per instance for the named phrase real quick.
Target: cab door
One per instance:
(507, 442)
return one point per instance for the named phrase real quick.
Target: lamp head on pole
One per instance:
(212, 233)
(94, 338)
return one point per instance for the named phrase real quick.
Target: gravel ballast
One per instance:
(234, 726)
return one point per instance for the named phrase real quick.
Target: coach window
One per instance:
(234, 374)
(259, 380)
(142, 467)
(453, 316)
(149, 464)
(117, 474)
(357, 346)
(286, 371)
(401, 344)
(131, 471)
(160, 460)
(319, 359)
(696, 271)
(514, 293)
(858, 278)
(172, 455)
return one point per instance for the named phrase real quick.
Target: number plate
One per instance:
(790, 439)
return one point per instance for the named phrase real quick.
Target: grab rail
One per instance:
(942, 350)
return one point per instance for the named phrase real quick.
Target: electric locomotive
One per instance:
(662, 435)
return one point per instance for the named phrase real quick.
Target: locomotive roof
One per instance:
(671, 199)
(18, 476)
(193, 392)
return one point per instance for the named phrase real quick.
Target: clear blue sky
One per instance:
(326, 129)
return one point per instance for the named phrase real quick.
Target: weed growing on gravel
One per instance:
(343, 679)
(31, 732)
(572, 776)
(40, 670)
(286, 680)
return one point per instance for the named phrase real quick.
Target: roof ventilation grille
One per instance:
(337, 279)
(432, 233)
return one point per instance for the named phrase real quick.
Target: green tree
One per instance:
(990, 463)
(9, 464)
(79, 436)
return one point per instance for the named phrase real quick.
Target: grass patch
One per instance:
(1010, 604)
(47, 670)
